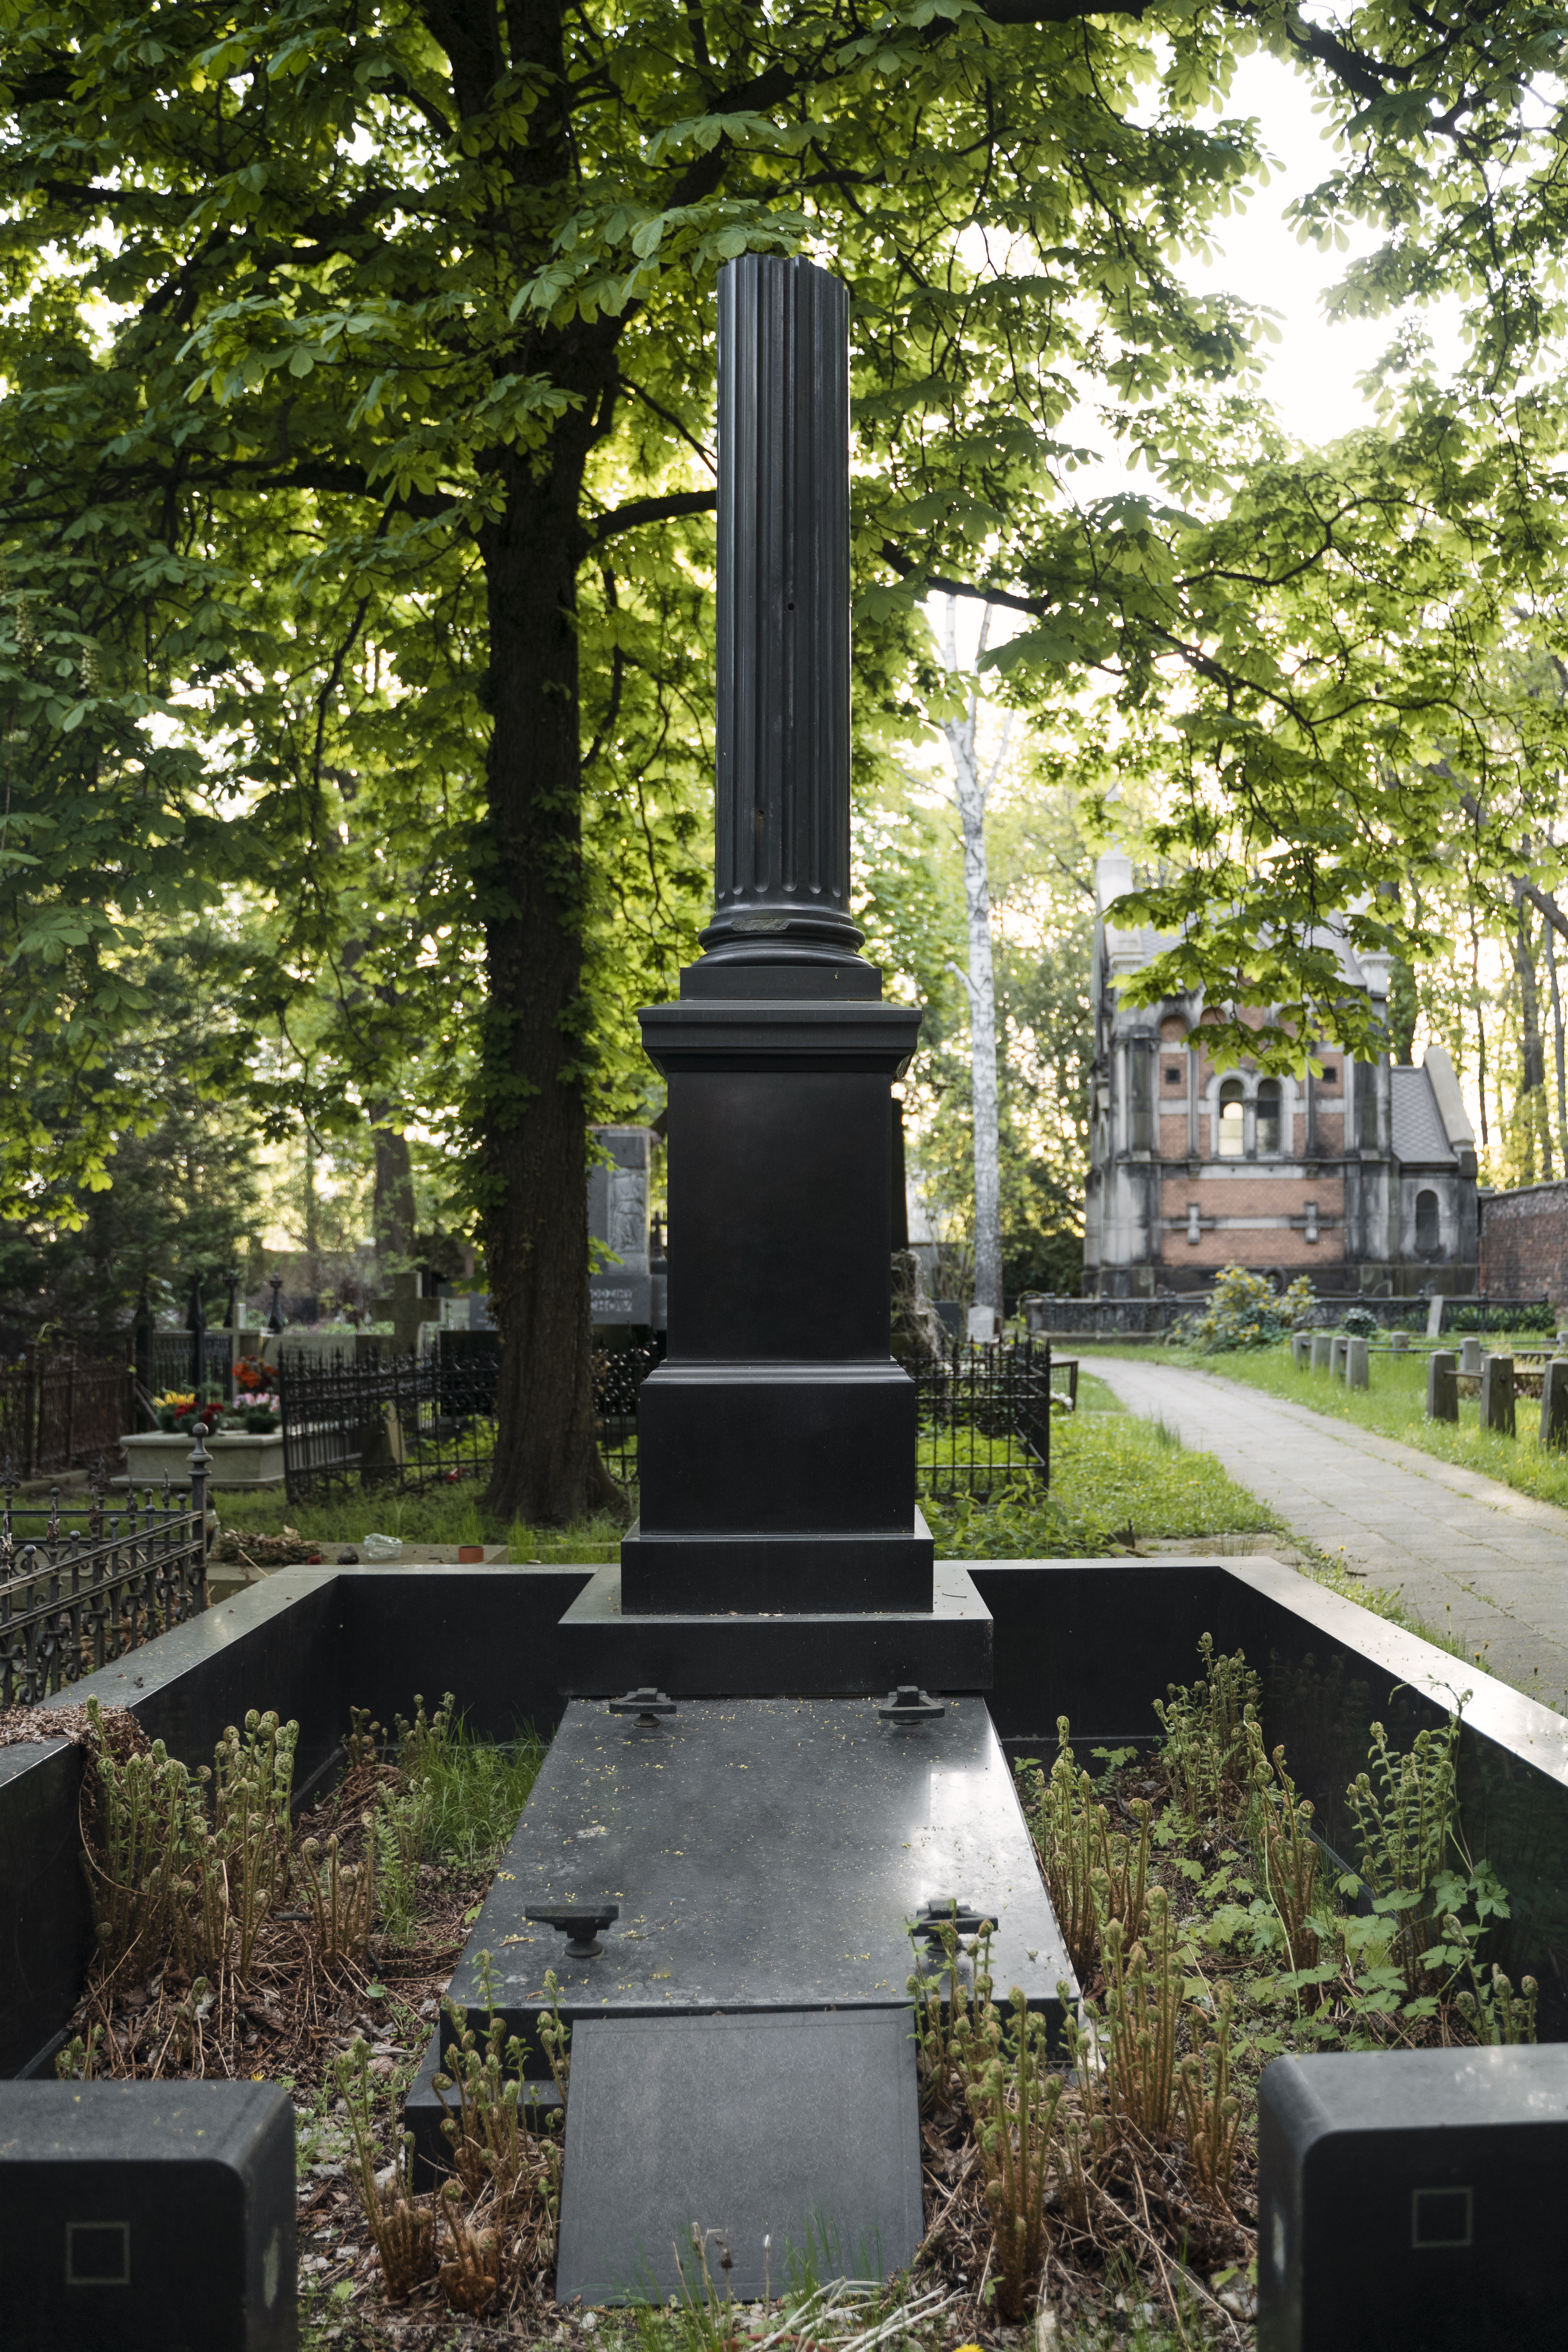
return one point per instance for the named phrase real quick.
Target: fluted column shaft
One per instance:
(782, 833)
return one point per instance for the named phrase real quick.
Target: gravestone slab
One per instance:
(1412, 2197)
(763, 1855)
(768, 2134)
(147, 2217)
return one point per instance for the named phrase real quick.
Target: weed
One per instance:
(1140, 2016)
(402, 2225)
(1494, 2013)
(1206, 1750)
(342, 1902)
(471, 2275)
(1211, 2113)
(1077, 1848)
(1012, 2099)
(1404, 1809)
(1287, 1853)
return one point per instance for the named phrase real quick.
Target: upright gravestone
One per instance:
(1470, 1355)
(1322, 1350)
(1442, 1385)
(620, 1291)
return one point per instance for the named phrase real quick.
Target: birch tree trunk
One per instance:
(971, 791)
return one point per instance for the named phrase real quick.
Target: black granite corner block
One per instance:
(778, 2136)
(1412, 2197)
(147, 2217)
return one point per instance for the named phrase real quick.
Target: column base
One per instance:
(790, 1574)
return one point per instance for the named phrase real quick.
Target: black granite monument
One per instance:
(753, 1849)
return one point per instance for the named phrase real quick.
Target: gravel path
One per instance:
(1465, 1552)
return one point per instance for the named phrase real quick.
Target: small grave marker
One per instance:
(1412, 2198)
(147, 2217)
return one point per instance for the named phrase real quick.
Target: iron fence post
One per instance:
(32, 1407)
(201, 1463)
(196, 1325)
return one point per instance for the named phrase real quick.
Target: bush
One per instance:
(1360, 1323)
(1246, 1311)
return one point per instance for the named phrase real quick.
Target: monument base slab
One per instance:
(602, 1649)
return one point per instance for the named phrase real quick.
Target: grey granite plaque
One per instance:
(771, 2136)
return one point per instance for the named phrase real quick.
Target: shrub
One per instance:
(1360, 1323)
(1246, 1311)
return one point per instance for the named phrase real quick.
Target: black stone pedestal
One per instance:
(776, 1442)
(602, 1649)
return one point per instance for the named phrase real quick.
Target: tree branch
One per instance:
(908, 569)
(641, 511)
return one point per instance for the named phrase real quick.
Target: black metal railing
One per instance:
(59, 1408)
(74, 1596)
(405, 1421)
(414, 1421)
(985, 1420)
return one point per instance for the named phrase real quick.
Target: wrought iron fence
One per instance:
(413, 1421)
(56, 1411)
(985, 1420)
(409, 1422)
(75, 1597)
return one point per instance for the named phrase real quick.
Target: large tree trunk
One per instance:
(547, 1469)
(393, 1217)
(1532, 1055)
(970, 791)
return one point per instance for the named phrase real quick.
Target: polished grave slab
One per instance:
(784, 2137)
(761, 1854)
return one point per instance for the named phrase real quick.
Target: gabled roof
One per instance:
(1419, 1137)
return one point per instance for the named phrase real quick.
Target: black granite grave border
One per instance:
(1096, 1640)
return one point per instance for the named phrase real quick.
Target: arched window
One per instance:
(1428, 1242)
(1268, 1115)
(1232, 1133)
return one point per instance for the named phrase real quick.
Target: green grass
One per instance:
(443, 1515)
(1395, 1406)
(477, 1791)
(1109, 1472)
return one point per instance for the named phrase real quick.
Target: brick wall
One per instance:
(1251, 1194)
(1524, 1243)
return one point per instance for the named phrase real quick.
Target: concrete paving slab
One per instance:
(1463, 1551)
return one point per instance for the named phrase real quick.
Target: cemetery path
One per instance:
(1466, 1553)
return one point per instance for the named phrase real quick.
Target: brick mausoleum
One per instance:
(1363, 1178)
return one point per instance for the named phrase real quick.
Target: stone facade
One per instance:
(1524, 1243)
(1363, 1178)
